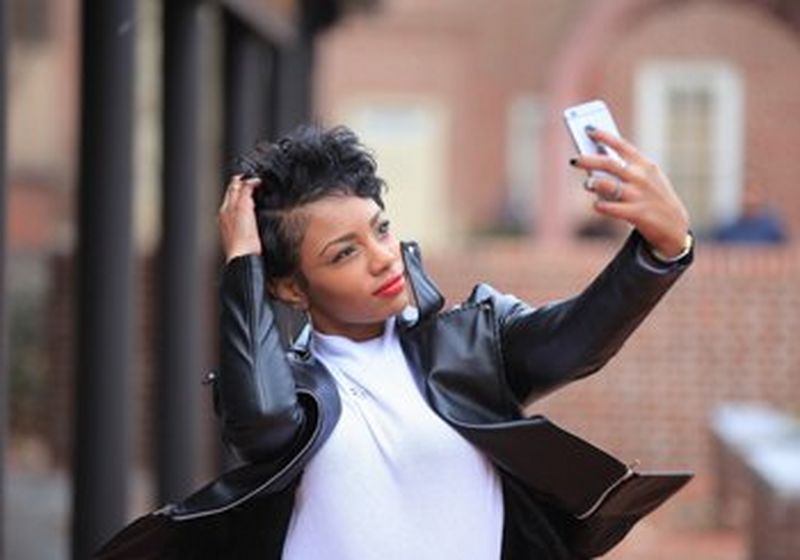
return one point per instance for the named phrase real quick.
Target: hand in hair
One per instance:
(237, 219)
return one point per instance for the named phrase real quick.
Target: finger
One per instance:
(239, 183)
(603, 163)
(226, 197)
(615, 209)
(245, 191)
(610, 189)
(620, 145)
(226, 200)
(231, 190)
(239, 186)
(234, 183)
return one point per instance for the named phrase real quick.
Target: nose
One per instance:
(382, 256)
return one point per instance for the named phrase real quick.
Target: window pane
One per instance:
(690, 120)
(689, 149)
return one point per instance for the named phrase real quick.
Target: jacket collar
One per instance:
(427, 297)
(426, 294)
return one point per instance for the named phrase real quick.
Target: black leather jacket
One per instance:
(476, 365)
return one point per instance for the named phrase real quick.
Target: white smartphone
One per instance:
(596, 114)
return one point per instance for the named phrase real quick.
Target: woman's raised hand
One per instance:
(237, 219)
(639, 193)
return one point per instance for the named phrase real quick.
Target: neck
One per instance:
(357, 333)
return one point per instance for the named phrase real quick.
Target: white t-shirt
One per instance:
(393, 481)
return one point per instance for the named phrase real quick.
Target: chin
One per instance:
(395, 307)
(401, 303)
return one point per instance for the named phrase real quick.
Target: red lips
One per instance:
(391, 287)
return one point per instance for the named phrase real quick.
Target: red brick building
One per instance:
(462, 103)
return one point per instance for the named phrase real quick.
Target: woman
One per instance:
(392, 429)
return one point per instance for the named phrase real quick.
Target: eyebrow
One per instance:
(350, 236)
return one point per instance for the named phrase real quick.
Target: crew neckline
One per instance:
(336, 343)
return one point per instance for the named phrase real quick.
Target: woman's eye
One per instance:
(344, 253)
(383, 227)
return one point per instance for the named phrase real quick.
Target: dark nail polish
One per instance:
(590, 128)
(573, 161)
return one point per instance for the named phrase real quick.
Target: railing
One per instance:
(757, 452)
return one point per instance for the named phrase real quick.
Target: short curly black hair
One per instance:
(307, 164)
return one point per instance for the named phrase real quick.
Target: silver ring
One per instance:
(623, 164)
(616, 195)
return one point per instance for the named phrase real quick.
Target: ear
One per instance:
(289, 291)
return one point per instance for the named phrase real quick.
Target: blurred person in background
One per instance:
(758, 223)
(390, 428)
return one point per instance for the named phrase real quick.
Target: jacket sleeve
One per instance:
(546, 347)
(255, 390)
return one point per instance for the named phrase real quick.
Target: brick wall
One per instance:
(775, 519)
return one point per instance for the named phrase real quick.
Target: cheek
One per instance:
(339, 289)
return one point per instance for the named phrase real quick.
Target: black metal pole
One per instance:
(294, 67)
(292, 86)
(249, 68)
(179, 376)
(105, 270)
(3, 332)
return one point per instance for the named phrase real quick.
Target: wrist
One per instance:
(674, 252)
(240, 252)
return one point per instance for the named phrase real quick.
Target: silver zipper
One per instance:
(629, 473)
(272, 479)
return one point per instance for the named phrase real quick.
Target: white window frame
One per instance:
(655, 80)
(418, 206)
(526, 120)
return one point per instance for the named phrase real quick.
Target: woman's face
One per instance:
(352, 268)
